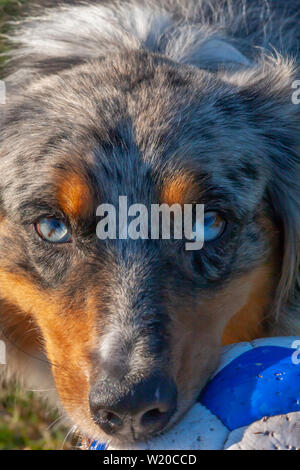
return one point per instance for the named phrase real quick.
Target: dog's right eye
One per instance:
(53, 230)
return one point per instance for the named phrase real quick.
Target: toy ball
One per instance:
(251, 402)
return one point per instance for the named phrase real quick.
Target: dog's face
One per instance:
(133, 328)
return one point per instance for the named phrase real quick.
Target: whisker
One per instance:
(26, 352)
(55, 422)
(72, 430)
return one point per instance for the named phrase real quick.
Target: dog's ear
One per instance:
(213, 54)
(268, 93)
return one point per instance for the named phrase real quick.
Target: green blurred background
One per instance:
(25, 420)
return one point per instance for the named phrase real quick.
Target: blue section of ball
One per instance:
(263, 381)
(97, 446)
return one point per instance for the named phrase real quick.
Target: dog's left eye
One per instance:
(53, 230)
(214, 226)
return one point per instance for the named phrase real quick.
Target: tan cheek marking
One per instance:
(19, 291)
(249, 321)
(197, 332)
(48, 309)
(180, 189)
(75, 196)
(19, 328)
(68, 337)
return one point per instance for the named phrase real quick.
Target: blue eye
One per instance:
(53, 230)
(214, 226)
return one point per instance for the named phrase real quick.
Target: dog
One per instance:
(165, 102)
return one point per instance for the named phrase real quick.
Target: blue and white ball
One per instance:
(254, 380)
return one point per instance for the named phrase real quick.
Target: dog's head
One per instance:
(133, 328)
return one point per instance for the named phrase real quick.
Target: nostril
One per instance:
(110, 422)
(111, 418)
(152, 417)
(155, 419)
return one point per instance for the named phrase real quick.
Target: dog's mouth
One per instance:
(129, 440)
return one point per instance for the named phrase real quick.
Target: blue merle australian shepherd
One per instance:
(163, 101)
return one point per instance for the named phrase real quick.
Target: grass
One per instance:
(10, 8)
(24, 419)
(27, 424)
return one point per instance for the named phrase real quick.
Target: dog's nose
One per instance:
(139, 410)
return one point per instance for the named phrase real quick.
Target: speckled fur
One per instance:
(126, 94)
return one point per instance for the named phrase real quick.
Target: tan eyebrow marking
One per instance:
(180, 189)
(74, 195)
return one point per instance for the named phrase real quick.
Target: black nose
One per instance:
(138, 410)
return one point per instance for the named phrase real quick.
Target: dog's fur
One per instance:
(167, 100)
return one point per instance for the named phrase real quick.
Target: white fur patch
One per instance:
(90, 31)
